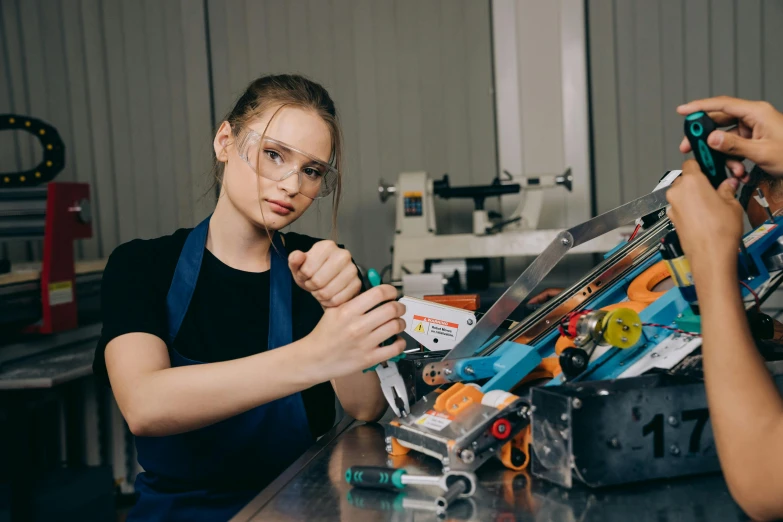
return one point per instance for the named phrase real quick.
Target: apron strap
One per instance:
(183, 284)
(280, 297)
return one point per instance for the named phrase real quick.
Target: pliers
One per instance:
(393, 385)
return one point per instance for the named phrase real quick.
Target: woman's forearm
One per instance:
(158, 400)
(361, 396)
(745, 407)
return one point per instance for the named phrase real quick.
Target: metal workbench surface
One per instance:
(314, 489)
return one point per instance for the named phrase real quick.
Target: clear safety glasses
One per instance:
(277, 161)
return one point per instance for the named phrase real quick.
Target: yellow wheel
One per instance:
(622, 328)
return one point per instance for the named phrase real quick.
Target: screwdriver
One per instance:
(455, 484)
(712, 163)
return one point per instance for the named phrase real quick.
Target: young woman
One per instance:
(225, 344)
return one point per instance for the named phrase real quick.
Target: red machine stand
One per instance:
(68, 218)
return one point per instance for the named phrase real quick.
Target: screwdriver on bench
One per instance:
(456, 484)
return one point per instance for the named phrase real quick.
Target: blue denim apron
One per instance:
(199, 475)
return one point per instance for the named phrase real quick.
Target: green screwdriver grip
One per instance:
(375, 477)
(375, 279)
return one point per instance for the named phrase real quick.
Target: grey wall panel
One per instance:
(127, 86)
(197, 93)
(668, 52)
(772, 66)
(749, 73)
(605, 122)
(672, 89)
(104, 190)
(177, 105)
(80, 158)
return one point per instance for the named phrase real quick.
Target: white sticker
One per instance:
(665, 356)
(758, 234)
(60, 293)
(434, 420)
(435, 327)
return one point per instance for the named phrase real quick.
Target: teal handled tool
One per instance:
(455, 484)
(392, 383)
(713, 163)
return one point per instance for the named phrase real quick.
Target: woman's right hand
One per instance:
(347, 338)
(758, 135)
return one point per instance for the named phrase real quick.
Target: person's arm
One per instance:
(156, 399)
(329, 274)
(746, 409)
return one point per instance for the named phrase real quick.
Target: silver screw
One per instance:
(655, 354)
(388, 449)
(388, 440)
(467, 456)
(565, 241)
(675, 450)
(619, 321)
(446, 371)
(636, 325)
(614, 443)
(626, 328)
(564, 417)
(470, 322)
(672, 420)
(469, 370)
(576, 403)
(624, 339)
(679, 316)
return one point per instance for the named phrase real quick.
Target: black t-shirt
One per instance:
(228, 317)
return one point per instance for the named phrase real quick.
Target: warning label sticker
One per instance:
(60, 293)
(434, 420)
(435, 327)
(758, 234)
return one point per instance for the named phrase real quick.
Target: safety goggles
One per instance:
(276, 161)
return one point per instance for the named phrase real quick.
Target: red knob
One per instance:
(501, 429)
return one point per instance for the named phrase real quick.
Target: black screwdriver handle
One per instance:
(712, 162)
(375, 477)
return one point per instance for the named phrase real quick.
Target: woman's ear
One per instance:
(222, 140)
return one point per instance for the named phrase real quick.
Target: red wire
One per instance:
(676, 330)
(755, 295)
(635, 231)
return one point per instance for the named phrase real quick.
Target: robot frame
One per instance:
(520, 391)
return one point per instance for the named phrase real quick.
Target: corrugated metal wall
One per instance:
(127, 85)
(648, 56)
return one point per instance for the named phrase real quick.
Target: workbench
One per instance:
(313, 489)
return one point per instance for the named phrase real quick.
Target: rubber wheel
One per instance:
(573, 361)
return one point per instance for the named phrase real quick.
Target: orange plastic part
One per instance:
(469, 302)
(457, 398)
(548, 368)
(397, 448)
(564, 342)
(522, 443)
(641, 288)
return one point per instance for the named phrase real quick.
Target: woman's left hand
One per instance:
(327, 272)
